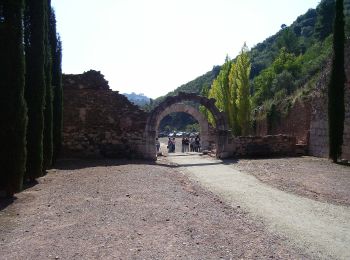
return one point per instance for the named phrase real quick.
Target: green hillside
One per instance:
(285, 64)
(194, 86)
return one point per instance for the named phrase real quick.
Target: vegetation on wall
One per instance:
(336, 109)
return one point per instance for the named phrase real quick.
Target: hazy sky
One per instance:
(154, 46)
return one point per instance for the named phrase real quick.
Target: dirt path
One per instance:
(130, 210)
(322, 229)
(315, 178)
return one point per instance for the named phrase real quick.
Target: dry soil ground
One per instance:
(136, 210)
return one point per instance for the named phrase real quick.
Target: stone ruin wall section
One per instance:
(99, 122)
(264, 146)
(318, 145)
(296, 123)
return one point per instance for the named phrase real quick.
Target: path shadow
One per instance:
(5, 202)
(76, 164)
(29, 184)
(187, 165)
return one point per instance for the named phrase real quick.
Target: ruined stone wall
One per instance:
(296, 123)
(99, 122)
(308, 120)
(264, 146)
(318, 145)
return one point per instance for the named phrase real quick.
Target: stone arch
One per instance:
(222, 130)
(203, 122)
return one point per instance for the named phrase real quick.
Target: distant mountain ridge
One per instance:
(138, 99)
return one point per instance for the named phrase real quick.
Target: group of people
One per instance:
(191, 144)
(195, 144)
(188, 144)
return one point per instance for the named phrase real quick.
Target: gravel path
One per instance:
(321, 229)
(315, 178)
(131, 210)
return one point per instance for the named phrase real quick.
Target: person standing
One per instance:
(173, 145)
(197, 144)
(157, 145)
(192, 144)
(170, 145)
(183, 144)
(187, 143)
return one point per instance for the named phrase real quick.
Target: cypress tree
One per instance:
(47, 135)
(35, 85)
(325, 19)
(13, 118)
(336, 109)
(56, 53)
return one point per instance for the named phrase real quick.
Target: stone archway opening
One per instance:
(195, 114)
(175, 104)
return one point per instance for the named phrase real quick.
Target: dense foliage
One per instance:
(243, 102)
(35, 85)
(30, 63)
(336, 109)
(48, 123)
(13, 118)
(177, 122)
(232, 93)
(57, 103)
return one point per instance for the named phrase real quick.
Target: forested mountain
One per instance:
(284, 66)
(194, 86)
(138, 99)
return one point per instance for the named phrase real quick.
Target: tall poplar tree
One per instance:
(47, 134)
(220, 90)
(35, 85)
(232, 93)
(243, 67)
(236, 128)
(336, 109)
(56, 54)
(13, 111)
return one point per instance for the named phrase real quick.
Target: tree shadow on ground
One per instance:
(5, 202)
(76, 164)
(29, 184)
